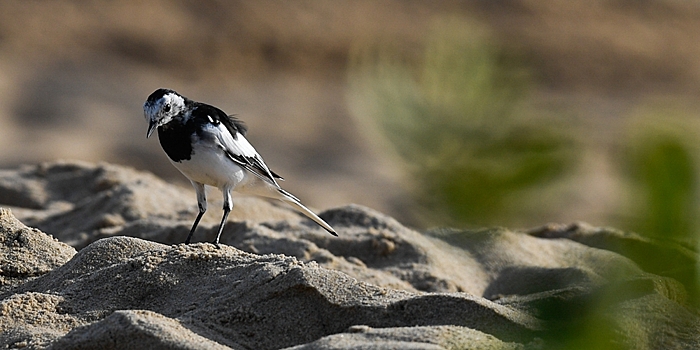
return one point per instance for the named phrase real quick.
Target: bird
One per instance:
(209, 147)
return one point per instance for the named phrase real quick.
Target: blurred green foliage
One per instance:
(659, 166)
(661, 169)
(457, 117)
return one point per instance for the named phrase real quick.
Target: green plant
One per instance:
(663, 174)
(458, 119)
(660, 166)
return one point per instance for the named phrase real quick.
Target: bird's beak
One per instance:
(152, 125)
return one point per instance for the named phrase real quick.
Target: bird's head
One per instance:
(161, 107)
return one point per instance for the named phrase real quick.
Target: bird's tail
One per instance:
(294, 202)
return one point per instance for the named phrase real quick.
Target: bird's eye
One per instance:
(166, 108)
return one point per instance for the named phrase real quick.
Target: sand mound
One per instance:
(280, 281)
(26, 253)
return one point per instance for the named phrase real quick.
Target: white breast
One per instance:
(210, 165)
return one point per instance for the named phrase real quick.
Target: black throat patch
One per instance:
(176, 140)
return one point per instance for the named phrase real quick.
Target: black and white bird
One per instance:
(209, 147)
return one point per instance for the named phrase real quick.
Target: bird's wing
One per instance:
(228, 132)
(242, 152)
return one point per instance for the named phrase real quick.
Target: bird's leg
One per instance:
(228, 205)
(201, 203)
(194, 226)
(221, 226)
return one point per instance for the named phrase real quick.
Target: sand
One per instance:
(104, 267)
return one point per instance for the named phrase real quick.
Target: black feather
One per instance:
(175, 138)
(158, 94)
(203, 112)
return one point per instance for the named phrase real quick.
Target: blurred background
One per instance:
(440, 113)
(465, 113)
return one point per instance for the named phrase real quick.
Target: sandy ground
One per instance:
(280, 281)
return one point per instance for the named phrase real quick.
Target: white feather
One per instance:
(240, 146)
